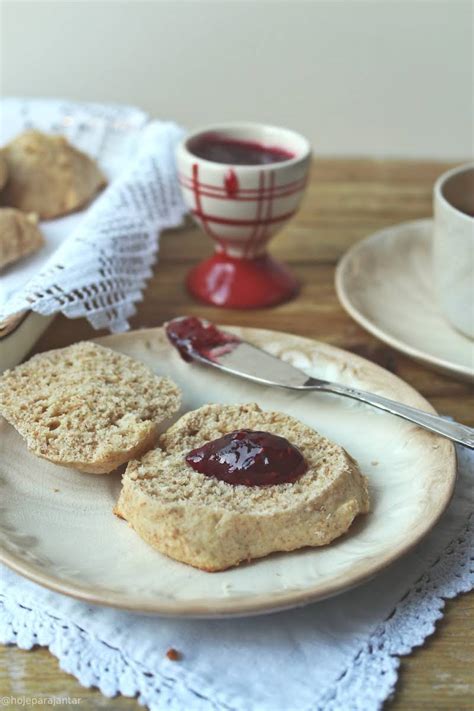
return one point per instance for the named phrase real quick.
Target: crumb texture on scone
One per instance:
(86, 406)
(19, 235)
(47, 175)
(213, 525)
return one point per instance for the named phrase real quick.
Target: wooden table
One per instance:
(346, 200)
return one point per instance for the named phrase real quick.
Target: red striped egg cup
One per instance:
(241, 207)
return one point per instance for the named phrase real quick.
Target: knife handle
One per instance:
(452, 430)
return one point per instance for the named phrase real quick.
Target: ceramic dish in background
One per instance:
(18, 334)
(385, 283)
(57, 526)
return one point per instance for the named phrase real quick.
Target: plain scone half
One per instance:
(213, 525)
(86, 406)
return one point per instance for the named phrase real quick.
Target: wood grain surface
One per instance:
(345, 201)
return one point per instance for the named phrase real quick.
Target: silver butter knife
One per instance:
(201, 341)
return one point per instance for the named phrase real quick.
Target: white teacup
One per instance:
(453, 247)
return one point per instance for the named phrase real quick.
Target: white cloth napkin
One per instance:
(96, 261)
(336, 655)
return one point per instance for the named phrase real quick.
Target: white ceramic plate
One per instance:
(57, 526)
(385, 284)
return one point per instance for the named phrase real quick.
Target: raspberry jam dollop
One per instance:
(249, 457)
(194, 336)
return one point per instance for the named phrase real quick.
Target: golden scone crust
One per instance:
(48, 176)
(213, 525)
(19, 235)
(86, 406)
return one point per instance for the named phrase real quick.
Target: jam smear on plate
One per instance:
(249, 457)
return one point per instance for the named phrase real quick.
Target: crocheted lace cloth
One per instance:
(338, 655)
(96, 262)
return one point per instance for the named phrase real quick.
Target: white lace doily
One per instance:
(97, 261)
(338, 655)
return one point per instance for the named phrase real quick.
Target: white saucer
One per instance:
(385, 284)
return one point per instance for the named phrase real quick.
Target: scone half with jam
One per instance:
(267, 483)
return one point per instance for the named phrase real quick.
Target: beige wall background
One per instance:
(358, 77)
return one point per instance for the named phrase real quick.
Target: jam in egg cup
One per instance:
(242, 182)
